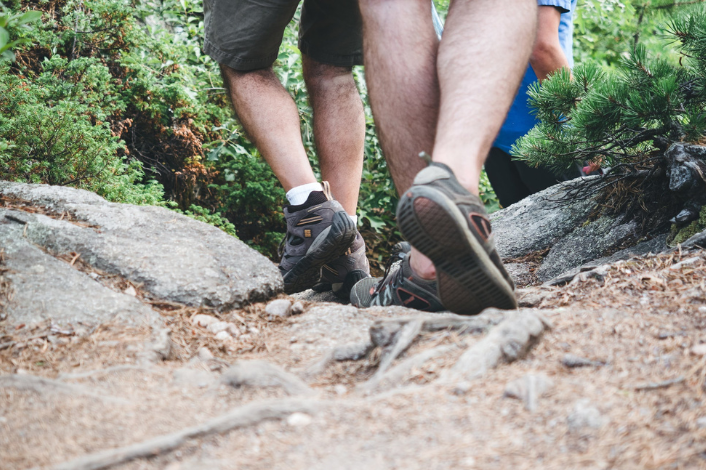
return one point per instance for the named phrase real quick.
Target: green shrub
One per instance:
(52, 133)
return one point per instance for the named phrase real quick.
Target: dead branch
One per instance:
(572, 361)
(262, 374)
(241, 417)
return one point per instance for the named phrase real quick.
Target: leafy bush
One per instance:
(12, 24)
(52, 132)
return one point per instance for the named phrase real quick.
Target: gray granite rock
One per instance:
(584, 244)
(657, 244)
(43, 287)
(536, 222)
(170, 255)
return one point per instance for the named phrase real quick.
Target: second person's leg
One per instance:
(339, 128)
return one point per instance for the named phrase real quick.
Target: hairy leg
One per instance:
(400, 49)
(468, 88)
(339, 128)
(271, 120)
(481, 60)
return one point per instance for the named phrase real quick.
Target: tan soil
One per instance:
(642, 321)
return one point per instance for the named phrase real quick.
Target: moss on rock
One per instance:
(678, 236)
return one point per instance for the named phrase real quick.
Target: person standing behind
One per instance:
(514, 180)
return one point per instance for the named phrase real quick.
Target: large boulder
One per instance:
(538, 221)
(42, 287)
(556, 219)
(171, 256)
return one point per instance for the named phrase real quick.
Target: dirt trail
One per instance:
(617, 382)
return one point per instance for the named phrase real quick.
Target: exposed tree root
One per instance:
(383, 332)
(347, 352)
(508, 341)
(41, 385)
(263, 374)
(398, 373)
(247, 415)
(106, 371)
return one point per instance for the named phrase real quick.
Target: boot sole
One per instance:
(329, 245)
(468, 281)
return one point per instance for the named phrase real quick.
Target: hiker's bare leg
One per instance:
(400, 48)
(339, 128)
(271, 120)
(480, 62)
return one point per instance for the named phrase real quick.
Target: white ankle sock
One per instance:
(354, 218)
(299, 194)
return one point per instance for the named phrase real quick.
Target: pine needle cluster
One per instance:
(625, 119)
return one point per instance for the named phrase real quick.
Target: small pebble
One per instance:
(203, 320)
(528, 388)
(233, 330)
(219, 326)
(297, 308)
(224, 336)
(340, 389)
(462, 387)
(253, 331)
(205, 354)
(279, 308)
(93, 275)
(584, 415)
(701, 422)
(299, 420)
(130, 291)
(699, 350)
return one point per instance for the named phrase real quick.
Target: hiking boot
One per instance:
(318, 232)
(448, 224)
(399, 286)
(341, 274)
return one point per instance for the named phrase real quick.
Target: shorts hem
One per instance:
(338, 60)
(237, 63)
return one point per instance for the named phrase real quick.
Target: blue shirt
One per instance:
(519, 120)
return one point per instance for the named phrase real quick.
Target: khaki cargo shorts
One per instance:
(246, 34)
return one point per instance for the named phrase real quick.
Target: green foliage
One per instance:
(13, 25)
(52, 133)
(605, 30)
(616, 118)
(204, 215)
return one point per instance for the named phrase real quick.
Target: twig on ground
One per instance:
(658, 385)
(247, 415)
